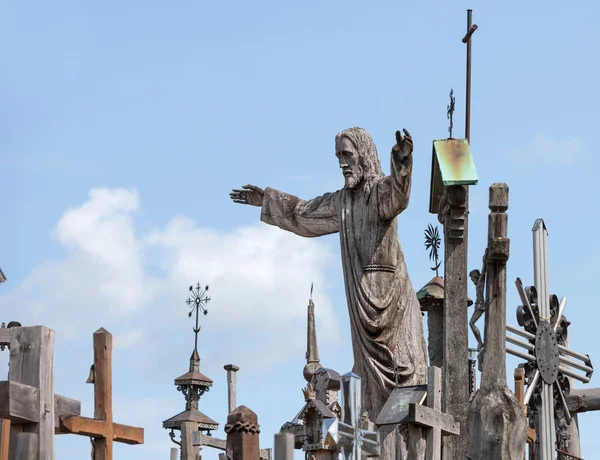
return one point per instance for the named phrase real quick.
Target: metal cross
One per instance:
(549, 366)
(197, 301)
(450, 111)
(354, 442)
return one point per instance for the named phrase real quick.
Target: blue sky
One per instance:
(125, 125)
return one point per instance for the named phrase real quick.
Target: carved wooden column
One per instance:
(242, 435)
(456, 334)
(496, 424)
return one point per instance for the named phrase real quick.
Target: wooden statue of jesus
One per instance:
(386, 324)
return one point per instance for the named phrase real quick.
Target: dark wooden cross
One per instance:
(102, 428)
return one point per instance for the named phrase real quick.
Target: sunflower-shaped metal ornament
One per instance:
(432, 243)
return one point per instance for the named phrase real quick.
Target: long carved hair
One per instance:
(369, 160)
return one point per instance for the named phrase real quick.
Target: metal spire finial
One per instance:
(197, 301)
(450, 111)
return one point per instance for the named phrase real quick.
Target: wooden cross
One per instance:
(347, 434)
(405, 406)
(520, 395)
(28, 406)
(101, 427)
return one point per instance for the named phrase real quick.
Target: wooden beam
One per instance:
(64, 407)
(19, 403)
(584, 400)
(425, 416)
(98, 428)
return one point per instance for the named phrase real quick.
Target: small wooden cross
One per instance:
(101, 427)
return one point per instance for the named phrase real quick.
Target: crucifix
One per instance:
(450, 112)
(549, 363)
(352, 434)
(101, 428)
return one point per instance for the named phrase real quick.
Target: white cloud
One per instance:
(544, 149)
(259, 279)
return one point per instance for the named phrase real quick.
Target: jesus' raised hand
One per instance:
(404, 145)
(249, 194)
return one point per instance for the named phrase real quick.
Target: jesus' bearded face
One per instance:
(349, 159)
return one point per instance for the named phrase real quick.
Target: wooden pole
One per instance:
(496, 423)
(174, 453)
(456, 335)
(284, 446)
(4, 438)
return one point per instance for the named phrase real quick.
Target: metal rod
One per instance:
(531, 387)
(576, 365)
(520, 354)
(520, 343)
(467, 39)
(561, 309)
(516, 330)
(525, 300)
(568, 351)
(581, 378)
(563, 403)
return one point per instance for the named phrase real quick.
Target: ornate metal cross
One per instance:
(197, 301)
(548, 368)
(450, 111)
(347, 434)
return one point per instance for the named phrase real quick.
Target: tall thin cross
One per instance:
(450, 111)
(550, 363)
(197, 301)
(102, 428)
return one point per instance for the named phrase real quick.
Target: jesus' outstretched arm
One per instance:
(310, 218)
(394, 190)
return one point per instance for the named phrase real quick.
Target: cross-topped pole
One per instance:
(102, 428)
(354, 441)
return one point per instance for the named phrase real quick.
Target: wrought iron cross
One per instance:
(353, 441)
(450, 111)
(545, 328)
(197, 301)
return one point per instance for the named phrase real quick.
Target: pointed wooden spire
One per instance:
(312, 351)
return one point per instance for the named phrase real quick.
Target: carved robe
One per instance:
(385, 318)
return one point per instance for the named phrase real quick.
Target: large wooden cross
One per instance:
(102, 428)
(28, 405)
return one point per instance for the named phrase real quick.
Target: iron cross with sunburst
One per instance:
(197, 302)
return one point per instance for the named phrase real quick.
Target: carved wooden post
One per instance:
(242, 434)
(496, 423)
(456, 334)
(174, 453)
(231, 387)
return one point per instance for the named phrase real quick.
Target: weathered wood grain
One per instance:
(27, 447)
(19, 403)
(433, 449)
(455, 396)
(32, 363)
(496, 423)
(423, 415)
(63, 407)
(584, 400)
